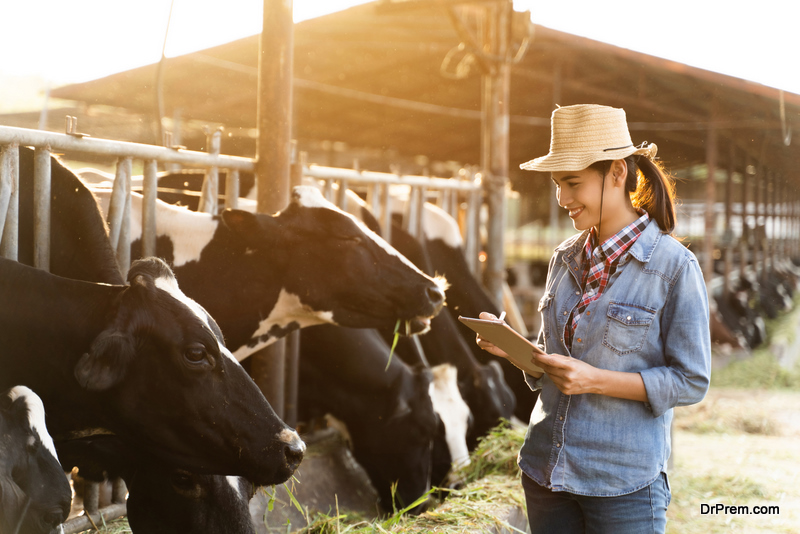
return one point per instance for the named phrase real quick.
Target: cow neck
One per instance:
(236, 285)
(75, 311)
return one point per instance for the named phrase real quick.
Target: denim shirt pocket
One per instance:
(627, 326)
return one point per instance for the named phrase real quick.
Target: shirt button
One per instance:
(629, 317)
(560, 417)
(588, 313)
(580, 340)
(558, 445)
(577, 292)
(565, 313)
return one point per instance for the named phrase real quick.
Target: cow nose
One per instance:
(436, 296)
(294, 453)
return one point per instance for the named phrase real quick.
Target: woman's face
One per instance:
(579, 193)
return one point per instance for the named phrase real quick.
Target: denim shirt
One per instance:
(652, 319)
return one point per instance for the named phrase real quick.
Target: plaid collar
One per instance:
(615, 246)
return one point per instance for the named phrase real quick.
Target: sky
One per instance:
(67, 41)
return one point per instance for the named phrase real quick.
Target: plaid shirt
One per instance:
(601, 262)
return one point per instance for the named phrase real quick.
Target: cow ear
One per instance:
(145, 271)
(253, 229)
(106, 363)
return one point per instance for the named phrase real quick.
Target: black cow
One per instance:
(164, 499)
(482, 386)
(34, 493)
(141, 361)
(388, 412)
(263, 276)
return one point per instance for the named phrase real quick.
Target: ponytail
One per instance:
(652, 190)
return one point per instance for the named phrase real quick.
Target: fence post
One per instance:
(9, 204)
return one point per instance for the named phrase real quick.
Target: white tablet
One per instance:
(514, 344)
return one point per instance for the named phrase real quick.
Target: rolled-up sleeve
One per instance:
(686, 337)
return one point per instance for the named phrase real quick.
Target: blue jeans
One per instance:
(559, 512)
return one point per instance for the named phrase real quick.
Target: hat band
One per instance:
(618, 148)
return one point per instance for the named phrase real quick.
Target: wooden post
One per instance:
(756, 244)
(711, 196)
(728, 258)
(273, 159)
(555, 225)
(494, 142)
(746, 233)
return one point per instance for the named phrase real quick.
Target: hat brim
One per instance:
(577, 162)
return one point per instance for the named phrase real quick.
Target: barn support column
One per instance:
(273, 159)
(711, 195)
(494, 142)
(746, 232)
(555, 226)
(766, 237)
(756, 244)
(728, 241)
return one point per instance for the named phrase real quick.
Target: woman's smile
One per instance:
(575, 212)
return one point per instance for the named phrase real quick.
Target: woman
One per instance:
(625, 331)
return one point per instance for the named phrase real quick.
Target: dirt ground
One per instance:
(737, 448)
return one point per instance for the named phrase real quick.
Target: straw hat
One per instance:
(585, 133)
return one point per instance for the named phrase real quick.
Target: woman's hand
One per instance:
(488, 346)
(571, 376)
(574, 377)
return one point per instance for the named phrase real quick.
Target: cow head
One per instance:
(333, 268)
(170, 386)
(34, 493)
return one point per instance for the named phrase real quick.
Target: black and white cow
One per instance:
(143, 362)
(388, 411)
(263, 276)
(34, 493)
(466, 297)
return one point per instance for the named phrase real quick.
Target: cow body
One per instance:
(100, 354)
(34, 493)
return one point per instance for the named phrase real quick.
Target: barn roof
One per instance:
(386, 79)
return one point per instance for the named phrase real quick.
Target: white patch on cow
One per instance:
(234, 483)
(170, 285)
(35, 415)
(288, 309)
(290, 437)
(189, 231)
(438, 224)
(453, 411)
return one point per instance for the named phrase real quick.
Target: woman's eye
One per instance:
(195, 354)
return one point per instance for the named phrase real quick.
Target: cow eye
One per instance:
(195, 353)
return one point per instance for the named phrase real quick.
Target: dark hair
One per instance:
(650, 188)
